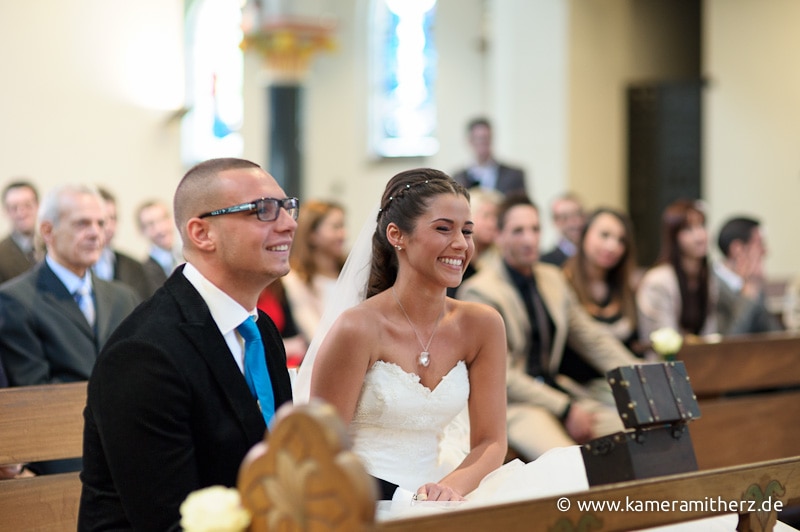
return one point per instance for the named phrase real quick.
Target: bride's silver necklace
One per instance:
(424, 357)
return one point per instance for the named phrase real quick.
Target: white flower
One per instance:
(214, 509)
(666, 341)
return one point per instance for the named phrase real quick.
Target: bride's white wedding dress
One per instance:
(403, 433)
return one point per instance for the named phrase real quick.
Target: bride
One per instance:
(401, 365)
(400, 361)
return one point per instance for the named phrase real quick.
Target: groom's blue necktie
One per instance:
(255, 368)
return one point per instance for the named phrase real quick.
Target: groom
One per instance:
(170, 409)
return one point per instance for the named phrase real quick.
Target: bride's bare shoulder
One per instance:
(361, 319)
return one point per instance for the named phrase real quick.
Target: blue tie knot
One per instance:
(249, 330)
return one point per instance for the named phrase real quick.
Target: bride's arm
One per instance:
(342, 362)
(487, 401)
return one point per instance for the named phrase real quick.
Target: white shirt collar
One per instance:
(227, 313)
(71, 281)
(567, 247)
(729, 277)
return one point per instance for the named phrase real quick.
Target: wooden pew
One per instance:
(748, 390)
(41, 423)
(307, 479)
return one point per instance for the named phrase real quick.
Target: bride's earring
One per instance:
(398, 247)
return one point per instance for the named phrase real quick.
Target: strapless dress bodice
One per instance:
(399, 424)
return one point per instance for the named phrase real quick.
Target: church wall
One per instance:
(89, 87)
(752, 117)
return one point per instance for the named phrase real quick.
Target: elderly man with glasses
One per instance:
(191, 380)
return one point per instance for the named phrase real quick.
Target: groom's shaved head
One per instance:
(198, 191)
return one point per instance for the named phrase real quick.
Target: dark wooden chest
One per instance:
(655, 402)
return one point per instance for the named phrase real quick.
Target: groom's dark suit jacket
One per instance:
(168, 412)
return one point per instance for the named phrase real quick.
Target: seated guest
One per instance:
(568, 217)
(678, 292)
(17, 250)
(542, 315)
(602, 275)
(114, 264)
(741, 307)
(483, 206)
(55, 318)
(317, 257)
(190, 381)
(156, 224)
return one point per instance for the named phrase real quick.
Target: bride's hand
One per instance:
(437, 492)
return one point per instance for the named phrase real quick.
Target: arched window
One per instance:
(403, 72)
(214, 72)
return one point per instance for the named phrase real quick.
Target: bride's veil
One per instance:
(349, 291)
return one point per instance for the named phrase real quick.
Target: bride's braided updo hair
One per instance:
(406, 197)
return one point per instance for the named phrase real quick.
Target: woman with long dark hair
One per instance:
(318, 254)
(603, 275)
(679, 292)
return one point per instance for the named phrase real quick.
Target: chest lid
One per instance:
(653, 394)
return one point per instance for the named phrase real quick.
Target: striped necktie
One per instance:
(83, 296)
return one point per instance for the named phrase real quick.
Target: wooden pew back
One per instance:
(748, 389)
(40, 423)
(304, 478)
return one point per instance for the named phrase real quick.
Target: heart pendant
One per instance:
(424, 359)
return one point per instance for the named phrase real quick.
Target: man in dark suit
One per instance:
(156, 224)
(568, 217)
(113, 264)
(169, 407)
(486, 172)
(17, 252)
(46, 336)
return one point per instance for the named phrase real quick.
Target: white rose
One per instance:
(666, 341)
(214, 509)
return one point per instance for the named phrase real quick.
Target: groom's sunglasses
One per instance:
(267, 209)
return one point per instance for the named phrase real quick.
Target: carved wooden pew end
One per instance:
(303, 476)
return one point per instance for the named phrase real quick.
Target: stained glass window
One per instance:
(403, 70)
(214, 72)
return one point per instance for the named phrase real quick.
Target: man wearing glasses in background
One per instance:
(190, 381)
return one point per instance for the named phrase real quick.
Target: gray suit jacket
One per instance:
(13, 260)
(737, 314)
(509, 179)
(131, 272)
(155, 273)
(44, 337)
(493, 286)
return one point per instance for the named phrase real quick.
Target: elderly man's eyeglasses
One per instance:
(266, 209)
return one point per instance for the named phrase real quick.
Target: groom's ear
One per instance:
(394, 235)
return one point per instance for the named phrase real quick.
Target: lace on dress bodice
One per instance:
(399, 425)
